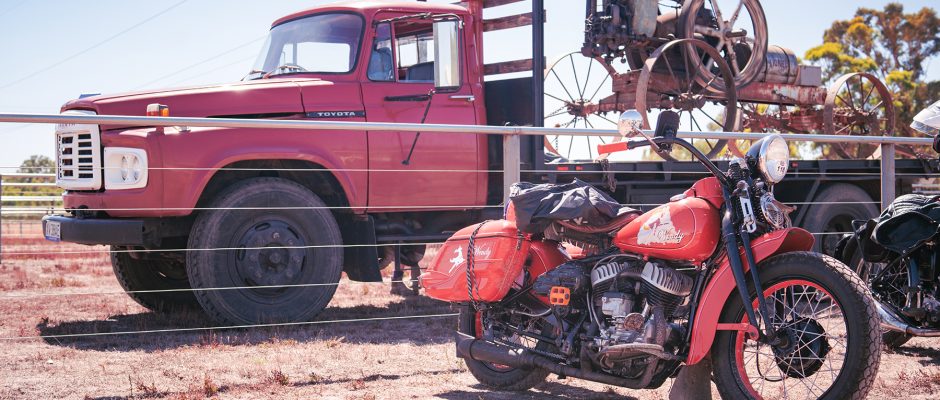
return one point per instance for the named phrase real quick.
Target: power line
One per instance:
(14, 7)
(212, 70)
(99, 44)
(226, 52)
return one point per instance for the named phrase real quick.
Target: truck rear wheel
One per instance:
(142, 275)
(833, 213)
(268, 233)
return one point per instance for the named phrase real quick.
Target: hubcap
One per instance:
(270, 253)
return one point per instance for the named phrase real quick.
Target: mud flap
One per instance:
(361, 262)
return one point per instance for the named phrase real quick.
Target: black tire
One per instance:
(863, 333)
(299, 243)
(840, 205)
(514, 379)
(853, 258)
(165, 273)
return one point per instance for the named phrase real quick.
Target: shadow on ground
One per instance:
(187, 328)
(547, 390)
(931, 355)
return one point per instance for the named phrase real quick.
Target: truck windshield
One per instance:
(322, 43)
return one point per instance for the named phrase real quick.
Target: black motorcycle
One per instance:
(898, 255)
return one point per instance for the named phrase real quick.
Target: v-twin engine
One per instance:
(637, 301)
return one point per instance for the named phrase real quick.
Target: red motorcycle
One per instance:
(645, 294)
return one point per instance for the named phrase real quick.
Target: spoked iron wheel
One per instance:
(772, 118)
(858, 104)
(574, 85)
(737, 29)
(668, 81)
(806, 316)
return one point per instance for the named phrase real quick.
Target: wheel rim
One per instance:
(269, 253)
(574, 86)
(736, 29)
(667, 83)
(811, 320)
(858, 104)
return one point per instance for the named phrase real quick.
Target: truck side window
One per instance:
(381, 64)
(414, 45)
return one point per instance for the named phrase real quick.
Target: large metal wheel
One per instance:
(772, 118)
(858, 104)
(574, 85)
(737, 29)
(668, 82)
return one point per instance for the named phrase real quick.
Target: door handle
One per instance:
(465, 97)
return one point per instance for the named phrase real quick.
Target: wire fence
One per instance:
(24, 182)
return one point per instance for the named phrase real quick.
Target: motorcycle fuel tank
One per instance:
(682, 230)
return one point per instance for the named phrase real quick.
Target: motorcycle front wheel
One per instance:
(830, 336)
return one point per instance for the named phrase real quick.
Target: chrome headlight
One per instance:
(772, 155)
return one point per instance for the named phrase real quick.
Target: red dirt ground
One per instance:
(412, 358)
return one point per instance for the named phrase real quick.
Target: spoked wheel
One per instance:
(889, 288)
(668, 82)
(574, 85)
(829, 344)
(772, 118)
(498, 376)
(858, 104)
(737, 29)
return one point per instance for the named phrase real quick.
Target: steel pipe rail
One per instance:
(125, 120)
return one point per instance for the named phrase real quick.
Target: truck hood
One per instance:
(269, 98)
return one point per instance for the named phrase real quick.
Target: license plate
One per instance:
(53, 231)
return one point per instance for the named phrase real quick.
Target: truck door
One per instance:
(397, 79)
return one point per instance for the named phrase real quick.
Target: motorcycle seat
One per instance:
(614, 225)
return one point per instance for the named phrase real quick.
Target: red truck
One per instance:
(280, 214)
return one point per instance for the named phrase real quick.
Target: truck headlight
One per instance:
(124, 168)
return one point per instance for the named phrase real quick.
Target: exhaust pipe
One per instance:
(892, 322)
(469, 347)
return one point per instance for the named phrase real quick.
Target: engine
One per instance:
(631, 301)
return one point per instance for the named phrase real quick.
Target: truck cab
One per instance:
(280, 214)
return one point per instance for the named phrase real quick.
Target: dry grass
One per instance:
(361, 360)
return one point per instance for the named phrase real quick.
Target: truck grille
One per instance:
(78, 157)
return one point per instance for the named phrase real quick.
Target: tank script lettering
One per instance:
(659, 230)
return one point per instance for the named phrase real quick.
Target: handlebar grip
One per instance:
(613, 147)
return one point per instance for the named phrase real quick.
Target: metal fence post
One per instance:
(511, 163)
(887, 174)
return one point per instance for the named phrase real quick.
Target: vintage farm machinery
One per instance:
(709, 61)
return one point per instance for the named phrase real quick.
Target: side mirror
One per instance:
(446, 55)
(667, 125)
(629, 123)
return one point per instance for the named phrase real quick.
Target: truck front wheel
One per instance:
(158, 283)
(267, 250)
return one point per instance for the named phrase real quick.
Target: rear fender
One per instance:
(722, 285)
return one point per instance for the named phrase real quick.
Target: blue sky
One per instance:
(214, 41)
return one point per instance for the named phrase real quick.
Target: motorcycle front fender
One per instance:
(721, 286)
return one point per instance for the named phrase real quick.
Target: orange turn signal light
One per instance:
(158, 110)
(559, 296)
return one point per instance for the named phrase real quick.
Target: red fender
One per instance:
(722, 285)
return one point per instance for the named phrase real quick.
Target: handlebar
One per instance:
(666, 143)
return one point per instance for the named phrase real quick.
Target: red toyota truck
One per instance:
(278, 215)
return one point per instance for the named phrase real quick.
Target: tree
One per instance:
(37, 164)
(891, 45)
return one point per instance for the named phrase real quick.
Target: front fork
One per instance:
(734, 240)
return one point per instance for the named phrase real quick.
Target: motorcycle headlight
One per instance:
(772, 155)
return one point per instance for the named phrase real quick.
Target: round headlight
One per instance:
(773, 158)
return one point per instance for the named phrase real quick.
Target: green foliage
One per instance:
(31, 186)
(894, 46)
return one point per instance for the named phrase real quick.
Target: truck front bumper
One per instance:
(122, 232)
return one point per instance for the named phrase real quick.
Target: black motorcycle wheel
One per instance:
(830, 328)
(853, 258)
(498, 377)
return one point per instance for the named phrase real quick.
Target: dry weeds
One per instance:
(397, 359)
